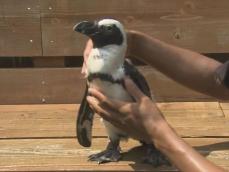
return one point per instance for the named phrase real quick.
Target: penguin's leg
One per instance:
(112, 151)
(111, 154)
(154, 156)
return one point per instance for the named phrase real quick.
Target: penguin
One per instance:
(106, 70)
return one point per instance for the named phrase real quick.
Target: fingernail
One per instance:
(89, 98)
(90, 90)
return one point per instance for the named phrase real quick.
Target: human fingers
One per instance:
(133, 90)
(87, 50)
(111, 116)
(116, 105)
(84, 69)
(104, 112)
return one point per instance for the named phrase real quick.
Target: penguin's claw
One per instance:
(109, 155)
(155, 158)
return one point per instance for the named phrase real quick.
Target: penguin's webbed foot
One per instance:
(111, 154)
(155, 157)
(106, 156)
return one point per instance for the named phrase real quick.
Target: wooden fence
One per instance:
(42, 31)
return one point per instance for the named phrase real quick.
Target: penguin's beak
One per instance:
(86, 28)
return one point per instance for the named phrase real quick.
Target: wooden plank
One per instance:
(169, 21)
(26, 8)
(180, 23)
(159, 83)
(2, 27)
(55, 43)
(66, 85)
(20, 28)
(25, 121)
(49, 7)
(191, 35)
(20, 36)
(139, 6)
(67, 155)
(1, 9)
(191, 109)
(41, 85)
(225, 109)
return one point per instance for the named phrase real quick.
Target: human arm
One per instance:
(189, 68)
(144, 121)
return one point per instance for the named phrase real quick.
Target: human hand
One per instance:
(141, 120)
(87, 50)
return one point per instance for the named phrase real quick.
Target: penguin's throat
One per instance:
(101, 61)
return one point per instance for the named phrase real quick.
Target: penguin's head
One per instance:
(103, 32)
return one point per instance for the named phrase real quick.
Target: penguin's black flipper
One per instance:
(84, 122)
(137, 77)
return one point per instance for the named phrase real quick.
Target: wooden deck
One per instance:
(42, 137)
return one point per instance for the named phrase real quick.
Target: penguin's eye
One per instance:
(109, 28)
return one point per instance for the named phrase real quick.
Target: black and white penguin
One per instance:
(106, 70)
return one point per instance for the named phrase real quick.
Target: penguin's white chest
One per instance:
(111, 65)
(109, 61)
(114, 91)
